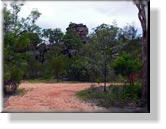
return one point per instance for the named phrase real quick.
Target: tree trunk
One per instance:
(105, 75)
(142, 18)
(144, 69)
(57, 76)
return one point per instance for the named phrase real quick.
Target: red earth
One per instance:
(50, 97)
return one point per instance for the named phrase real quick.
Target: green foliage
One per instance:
(16, 40)
(115, 96)
(12, 73)
(22, 41)
(78, 69)
(56, 66)
(20, 91)
(124, 64)
(55, 36)
(31, 52)
(72, 41)
(34, 38)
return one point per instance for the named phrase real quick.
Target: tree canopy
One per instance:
(31, 52)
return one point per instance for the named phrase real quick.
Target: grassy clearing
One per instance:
(42, 81)
(114, 96)
(71, 82)
(50, 81)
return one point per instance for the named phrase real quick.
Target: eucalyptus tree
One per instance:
(105, 38)
(54, 36)
(142, 15)
(16, 39)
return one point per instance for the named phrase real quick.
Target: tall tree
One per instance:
(16, 39)
(106, 37)
(141, 5)
(72, 43)
(54, 36)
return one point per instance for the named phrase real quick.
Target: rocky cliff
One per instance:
(80, 30)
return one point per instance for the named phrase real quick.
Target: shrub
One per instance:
(115, 95)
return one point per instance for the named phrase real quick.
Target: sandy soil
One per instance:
(53, 97)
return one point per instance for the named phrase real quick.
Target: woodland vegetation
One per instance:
(111, 54)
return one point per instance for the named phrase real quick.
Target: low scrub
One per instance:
(18, 91)
(114, 96)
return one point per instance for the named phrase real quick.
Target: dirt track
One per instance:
(55, 97)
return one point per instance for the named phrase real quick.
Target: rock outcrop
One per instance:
(80, 30)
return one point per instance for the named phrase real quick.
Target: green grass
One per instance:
(42, 81)
(50, 81)
(20, 91)
(70, 82)
(114, 96)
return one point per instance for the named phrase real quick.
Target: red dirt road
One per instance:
(50, 97)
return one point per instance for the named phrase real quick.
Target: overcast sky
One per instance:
(57, 14)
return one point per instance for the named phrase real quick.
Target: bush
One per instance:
(115, 95)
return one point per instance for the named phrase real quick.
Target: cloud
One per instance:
(58, 14)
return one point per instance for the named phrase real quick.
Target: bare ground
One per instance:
(50, 97)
